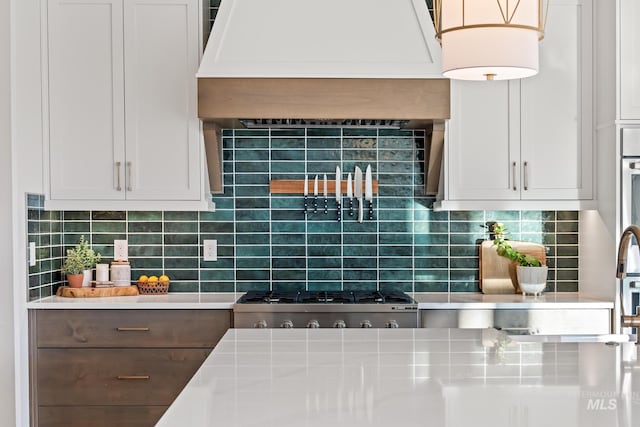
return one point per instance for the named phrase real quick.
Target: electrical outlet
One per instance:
(120, 250)
(210, 250)
(32, 254)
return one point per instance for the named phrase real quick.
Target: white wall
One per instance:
(27, 172)
(7, 377)
(598, 234)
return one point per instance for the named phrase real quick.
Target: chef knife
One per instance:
(306, 194)
(326, 210)
(338, 192)
(315, 195)
(368, 190)
(350, 193)
(357, 191)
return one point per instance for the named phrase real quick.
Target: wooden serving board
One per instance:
(115, 291)
(498, 274)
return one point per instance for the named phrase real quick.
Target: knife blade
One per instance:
(315, 195)
(326, 210)
(350, 193)
(357, 191)
(306, 194)
(339, 192)
(368, 190)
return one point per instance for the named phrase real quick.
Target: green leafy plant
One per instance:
(74, 263)
(504, 249)
(80, 258)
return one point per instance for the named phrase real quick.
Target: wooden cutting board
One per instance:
(115, 291)
(498, 274)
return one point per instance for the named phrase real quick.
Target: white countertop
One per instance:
(225, 300)
(408, 377)
(559, 300)
(222, 300)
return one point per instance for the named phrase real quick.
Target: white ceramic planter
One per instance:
(532, 280)
(86, 280)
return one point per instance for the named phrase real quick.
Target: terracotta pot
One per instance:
(75, 280)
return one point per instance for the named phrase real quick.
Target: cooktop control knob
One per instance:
(366, 324)
(287, 324)
(339, 324)
(261, 324)
(313, 324)
(392, 324)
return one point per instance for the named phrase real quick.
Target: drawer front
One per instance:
(131, 328)
(78, 377)
(99, 416)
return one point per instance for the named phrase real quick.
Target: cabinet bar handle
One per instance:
(133, 329)
(526, 177)
(118, 186)
(129, 187)
(514, 177)
(133, 377)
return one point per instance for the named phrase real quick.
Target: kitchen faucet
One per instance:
(623, 248)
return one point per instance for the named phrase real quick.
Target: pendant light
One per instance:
(490, 39)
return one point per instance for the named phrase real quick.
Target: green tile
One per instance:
(76, 215)
(567, 215)
(174, 251)
(359, 132)
(210, 287)
(289, 143)
(567, 286)
(245, 286)
(252, 215)
(179, 286)
(396, 275)
(108, 215)
(279, 263)
(438, 263)
(324, 286)
(181, 227)
(324, 274)
(146, 239)
(109, 227)
(252, 203)
(328, 143)
(430, 275)
(395, 263)
(244, 167)
(177, 275)
(145, 227)
(323, 155)
(395, 285)
(396, 239)
(105, 239)
(252, 275)
(462, 275)
(289, 275)
(252, 178)
(145, 216)
(257, 263)
(289, 286)
(322, 263)
(567, 239)
(239, 133)
(180, 239)
(288, 239)
(76, 227)
(253, 251)
(290, 167)
(311, 132)
(566, 227)
(353, 263)
(466, 216)
(261, 156)
(288, 132)
(217, 227)
(421, 286)
(352, 250)
(352, 274)
(180, 216)
(172, 262)
(465, 287)
(217, 275)
(252, 239)
(145, 251)
(288, 154)
(147, 263)
(221, 264)
(318, 251)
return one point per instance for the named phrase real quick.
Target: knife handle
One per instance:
(350, 206)
(306, 205)
(315, 204)
(370, 209)
(326, 207)
(360, 210)
(339, 212)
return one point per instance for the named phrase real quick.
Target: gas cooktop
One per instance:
(326, 297)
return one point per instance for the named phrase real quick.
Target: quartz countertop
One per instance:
(225, 301)
(221, 301)
(557, 300)
(408, 377)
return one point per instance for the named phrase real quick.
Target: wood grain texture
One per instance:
(82, 377)
(421, 100)
(292, 186)
(115, 291)
(99, 416)
(213, 148)
(497, 273)
(99, 328)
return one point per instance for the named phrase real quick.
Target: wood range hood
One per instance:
(310, 63)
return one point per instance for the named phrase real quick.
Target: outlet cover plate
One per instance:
(120, 250)
(210, 250)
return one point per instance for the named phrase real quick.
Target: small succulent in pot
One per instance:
(74, 263)
(504, 249)
(80, 260)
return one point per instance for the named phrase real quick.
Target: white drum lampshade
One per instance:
(489, 39)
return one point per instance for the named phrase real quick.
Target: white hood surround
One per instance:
(333, 60)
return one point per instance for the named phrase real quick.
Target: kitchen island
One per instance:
(408, 377)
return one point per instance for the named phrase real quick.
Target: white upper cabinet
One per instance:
(527, 143)
(123, 131)
(629, 60)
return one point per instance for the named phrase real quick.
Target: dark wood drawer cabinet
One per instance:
(115, 367)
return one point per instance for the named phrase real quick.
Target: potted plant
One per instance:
(531, 273)
(87, 256)
(74, 266)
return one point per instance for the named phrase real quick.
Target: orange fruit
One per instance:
(153, 279)
(163, 279)
(143, 279)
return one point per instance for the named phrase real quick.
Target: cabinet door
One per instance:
(556, 109)
(85, 98)
(483, 142)
(629, 59)
(162, 129)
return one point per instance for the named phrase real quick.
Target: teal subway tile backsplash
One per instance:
(266, 241)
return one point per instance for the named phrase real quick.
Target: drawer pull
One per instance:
(134, 377)
(133, 329)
